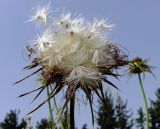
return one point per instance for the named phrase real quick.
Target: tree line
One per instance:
(113, 115)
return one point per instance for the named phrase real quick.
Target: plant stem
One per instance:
(57, 110)
(145, 100)
(50, 110)
(72, 101)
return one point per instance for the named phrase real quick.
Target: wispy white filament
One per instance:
(74, 45)
(41, 15)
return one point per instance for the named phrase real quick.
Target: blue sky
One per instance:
(137, 28)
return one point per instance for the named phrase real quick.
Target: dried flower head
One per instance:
(76, 54)
(138, 66)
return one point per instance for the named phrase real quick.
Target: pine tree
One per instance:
(123, 116)
(106, 119)
(140, 121)
(11, 121)
(155, 111)
(43, 124)
(113, 115)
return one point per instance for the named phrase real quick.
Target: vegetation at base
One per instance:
(117, 116)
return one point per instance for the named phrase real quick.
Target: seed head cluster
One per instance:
(73, 53)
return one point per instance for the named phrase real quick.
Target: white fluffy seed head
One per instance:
(72, 44)
(74, 59)
(84, 76)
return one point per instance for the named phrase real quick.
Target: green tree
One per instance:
(155, 111)
(105, 118)
(43, 124)
(11, 121)
(140, 120)
(46, 124)
(123, 116)
(113, 115)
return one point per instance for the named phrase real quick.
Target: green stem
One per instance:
(57, 110)
(50, 110)
(60, 120)
(72, 101)
(145, 100)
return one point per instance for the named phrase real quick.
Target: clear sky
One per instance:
(137, 29)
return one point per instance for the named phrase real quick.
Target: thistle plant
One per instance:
(139, 66)
(75, 55)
